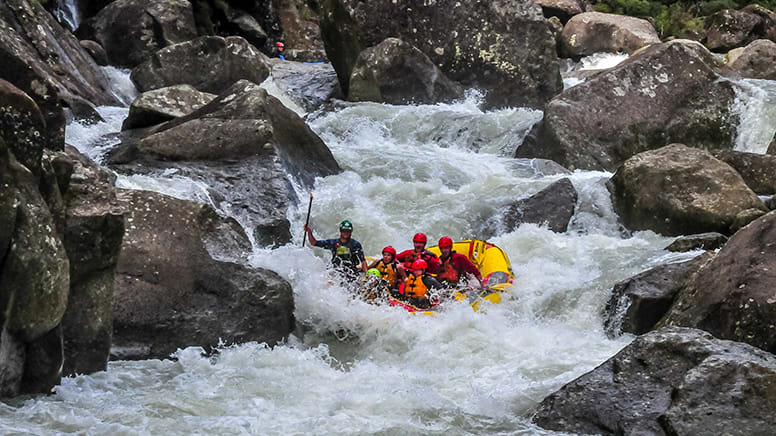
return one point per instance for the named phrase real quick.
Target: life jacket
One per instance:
(415, 288)
(447, 271)
(388, 272)
(343, 255)
(425, 255)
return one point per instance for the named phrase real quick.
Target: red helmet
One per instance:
(419, 264)
(280, 44)
(390, 249)
(445, 242)
(419, 237)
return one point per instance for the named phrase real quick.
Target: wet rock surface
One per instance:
(668, 382)
(309, 85)
(678, 190)
(700, 241)
(732, 297)
(175, 287)
(164, 104)
(670, 92)
(395, 72)
(553, 206)
(595, 32)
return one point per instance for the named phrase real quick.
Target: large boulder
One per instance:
(757, 170)
(563, 9)
(732, 297)
(670, 382)
(395, 72)
(209, 63)
(504, 47)
(248, 147)
(728, 29)
(678, 190)
(638, 303)
(595, 32)
(93, 234)
(308, 85)
(47, 62)
(131, 30)
(553, 206)
(173, 290)
(164, 104)
(670, 92)
(757, 60)
(22, 126)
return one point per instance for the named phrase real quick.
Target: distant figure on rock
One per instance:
(280, 47)
(407, 257)
(347, 255)
(390, 269)
(454, 266)
(419, 283)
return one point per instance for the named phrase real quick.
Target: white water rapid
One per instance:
(67, 13)
(354, 368)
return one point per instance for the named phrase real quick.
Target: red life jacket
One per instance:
(447, 271)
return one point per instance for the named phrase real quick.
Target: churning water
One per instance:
(355, 368)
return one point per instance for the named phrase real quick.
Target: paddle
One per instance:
(307, 222)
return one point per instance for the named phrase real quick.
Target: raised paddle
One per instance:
(307, 222)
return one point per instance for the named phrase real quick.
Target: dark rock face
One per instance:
(553, 206)
(757, 170)
(515, 60)
(395, 72)
(670, 382)
(666, 93)
(164, 104)
(594, 32)
(172, 292)
(701, 241)
(244, 144)
(256, 21)
(678, 190)
(638, 303)
(46, 61)
(95, 50)
(22, 126)
(728, 29)
(95, 228)
(562, 9)
(757, 60)
(209, 63)
(732, 297)
(310, 86)
(131, 30)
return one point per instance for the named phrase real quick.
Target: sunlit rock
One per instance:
(757, 60)
(678, 190)
(395, 72)
(669, 382)
(670, 92)
(164, 104)
(595, 32)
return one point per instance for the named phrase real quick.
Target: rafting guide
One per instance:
(347, 255)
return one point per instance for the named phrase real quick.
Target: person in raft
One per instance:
(454, 266)
(347, 255)
(419, 251)
(391, 271)
(416, 289)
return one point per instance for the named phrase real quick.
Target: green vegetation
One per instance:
(680, 19)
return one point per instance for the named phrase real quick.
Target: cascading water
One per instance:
(356, 368)
(67, 13)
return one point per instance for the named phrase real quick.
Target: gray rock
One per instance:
(732, 296)
(43, 362)
(95, 50)
(208, 63)
(247, 27)
(728, 28)
(745, 217)
(757, 170)
(670, 92)
(678, 190)
(552, 206)
(172, 291)
(396, 72)
(669, 382)
(594, 32)
(22, 126)
(700, 241)
(638, 303)
(514, 61)
(130, 31)
(757, 60)
(309, 85)
(563, 10)
(164, 104)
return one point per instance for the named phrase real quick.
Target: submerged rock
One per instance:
(670, 92)
(701, 241)
(757, 60)
(678, 190)
(669, 382)
(757, 170)
(309, 85)
(396, 72)
(164, 104)
(504, 47)
(175, 288)
(595, 32)
(553, 206)
(130, 31)
(638, 303)
(208, 63)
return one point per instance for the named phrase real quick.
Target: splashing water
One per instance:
(755, 104)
